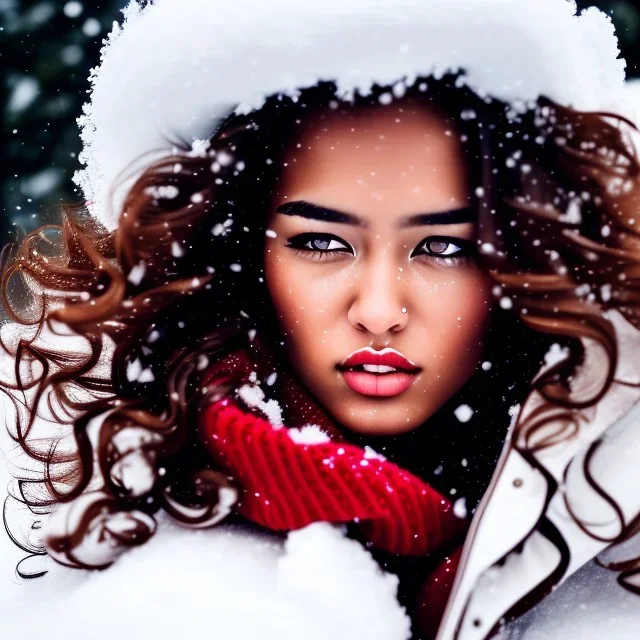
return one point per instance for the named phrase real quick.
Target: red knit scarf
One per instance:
(289, 481)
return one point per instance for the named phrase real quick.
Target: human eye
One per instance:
(318, 246)
(444, 249)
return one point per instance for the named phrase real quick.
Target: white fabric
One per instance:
(177, 66)
(589, 606)
(508, 515)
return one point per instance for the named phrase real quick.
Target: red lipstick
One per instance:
(378, 373)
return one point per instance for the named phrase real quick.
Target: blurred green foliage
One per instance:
(46, 51)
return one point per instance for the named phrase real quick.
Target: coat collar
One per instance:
(529, 533)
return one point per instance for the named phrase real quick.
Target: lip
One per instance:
(379, 384)
(387, 357)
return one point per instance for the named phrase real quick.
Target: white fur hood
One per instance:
(175, 68)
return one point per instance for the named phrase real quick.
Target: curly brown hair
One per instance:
(554, 233)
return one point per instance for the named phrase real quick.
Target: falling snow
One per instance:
(72, 9)
(222, 228)
(573, 214)
(167, 192)
(460, 508)
(176, 250)
(137, 273)
(464, 413)
(24, 93)
(319, 551)
(91, 28)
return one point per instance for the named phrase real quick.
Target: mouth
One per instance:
(383, 373)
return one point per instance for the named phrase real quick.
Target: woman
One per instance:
(380, 266)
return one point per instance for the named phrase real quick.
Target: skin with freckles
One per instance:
(368, 278)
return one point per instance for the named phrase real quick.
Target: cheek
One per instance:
(455, 312)
(301, 299)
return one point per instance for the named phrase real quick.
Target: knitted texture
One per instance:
(288, 484)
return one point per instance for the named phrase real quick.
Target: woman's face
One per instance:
(369, 243)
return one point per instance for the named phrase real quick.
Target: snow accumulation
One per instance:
(308, 434)
(176, 67)
(253, 396)
(632, 98)
(223, 582)
(315, 584)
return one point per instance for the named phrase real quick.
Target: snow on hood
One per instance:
(176, 67)
(630, 100)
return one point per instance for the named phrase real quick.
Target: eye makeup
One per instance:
(449, 248)
(446, 250)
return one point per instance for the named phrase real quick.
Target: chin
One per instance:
(367, 425)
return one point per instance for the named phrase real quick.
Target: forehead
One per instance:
(396, 158)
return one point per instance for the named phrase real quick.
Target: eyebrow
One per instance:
(316, 212)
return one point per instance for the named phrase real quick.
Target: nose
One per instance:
(379, 305)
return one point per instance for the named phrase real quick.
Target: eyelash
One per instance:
(297, 243)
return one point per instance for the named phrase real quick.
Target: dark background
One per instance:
(46, 52)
